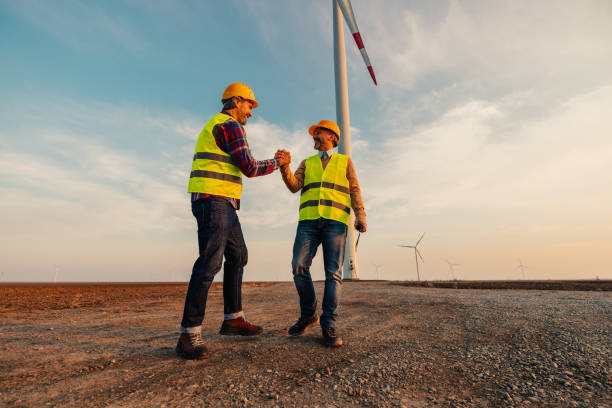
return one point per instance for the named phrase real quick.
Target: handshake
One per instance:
(283, 156)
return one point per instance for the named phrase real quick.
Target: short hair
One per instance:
(229, 103)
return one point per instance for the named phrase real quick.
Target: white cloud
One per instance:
(506, 44)
(69, 187)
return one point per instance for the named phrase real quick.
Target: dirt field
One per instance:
(113, 345)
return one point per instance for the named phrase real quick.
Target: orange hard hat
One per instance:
(241, 90)
(325, 124)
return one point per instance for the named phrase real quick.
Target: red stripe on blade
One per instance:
(357, 38)
(372, 75)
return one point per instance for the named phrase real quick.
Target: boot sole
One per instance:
(310, 325)
(190, 356)
(333, 345)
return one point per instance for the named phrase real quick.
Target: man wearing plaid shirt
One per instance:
(222, 155)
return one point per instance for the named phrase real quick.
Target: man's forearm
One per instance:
(291, 181)
(355, 191)
(251, 167)
(235, 143)
(294, 181)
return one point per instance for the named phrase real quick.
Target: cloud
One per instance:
(553, 166)
(503, 46)
(109, 186)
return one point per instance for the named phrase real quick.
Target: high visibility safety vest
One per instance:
(326, 192)
(213, 171)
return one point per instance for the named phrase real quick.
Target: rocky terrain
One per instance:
(113, 345)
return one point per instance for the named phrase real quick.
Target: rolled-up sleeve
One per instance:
(355, 190)
(233, 140)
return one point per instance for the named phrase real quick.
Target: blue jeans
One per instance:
(332, 235)
(219, 235)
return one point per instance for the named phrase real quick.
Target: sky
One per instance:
(489, 131)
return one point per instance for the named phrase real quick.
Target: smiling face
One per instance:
(243, 110)
(323, 139)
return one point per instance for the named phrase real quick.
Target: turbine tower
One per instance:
(521, 267)
(377, 266)
(416, 252)
(351, 266)
(451, 268)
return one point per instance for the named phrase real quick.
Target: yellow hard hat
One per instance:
(241, 90)
(325, 124)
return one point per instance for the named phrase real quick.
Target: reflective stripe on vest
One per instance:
(326, 192)
(213, 171)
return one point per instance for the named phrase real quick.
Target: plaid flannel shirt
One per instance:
(231, 138)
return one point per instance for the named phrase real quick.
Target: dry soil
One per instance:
(113, 345)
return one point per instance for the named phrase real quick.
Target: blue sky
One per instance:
(490, 130)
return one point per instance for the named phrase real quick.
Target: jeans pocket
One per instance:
(211, 213)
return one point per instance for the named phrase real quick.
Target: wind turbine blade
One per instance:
(417, 251)
(349, 16)
(419, 239)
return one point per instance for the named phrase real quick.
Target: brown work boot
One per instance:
(239, 327)
(303, 324)
(330, 337)
(191, 345)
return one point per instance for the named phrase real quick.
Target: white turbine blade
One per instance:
(419, 239)
(417, 251)
(349, 16)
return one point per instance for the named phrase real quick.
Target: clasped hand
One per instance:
(283, 156)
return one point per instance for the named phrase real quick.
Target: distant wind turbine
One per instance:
(416, 252)
(451, 268)
(377, 268)
(522, 267)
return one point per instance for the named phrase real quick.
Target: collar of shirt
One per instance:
(329, 153)
(223, 111)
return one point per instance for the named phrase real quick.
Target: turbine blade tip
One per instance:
(371, 71)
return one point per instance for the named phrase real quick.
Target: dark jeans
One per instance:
(332, 235)
(219, 234)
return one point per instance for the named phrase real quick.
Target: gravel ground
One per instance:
(404, 346)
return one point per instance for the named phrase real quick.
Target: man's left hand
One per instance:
(361, 225)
